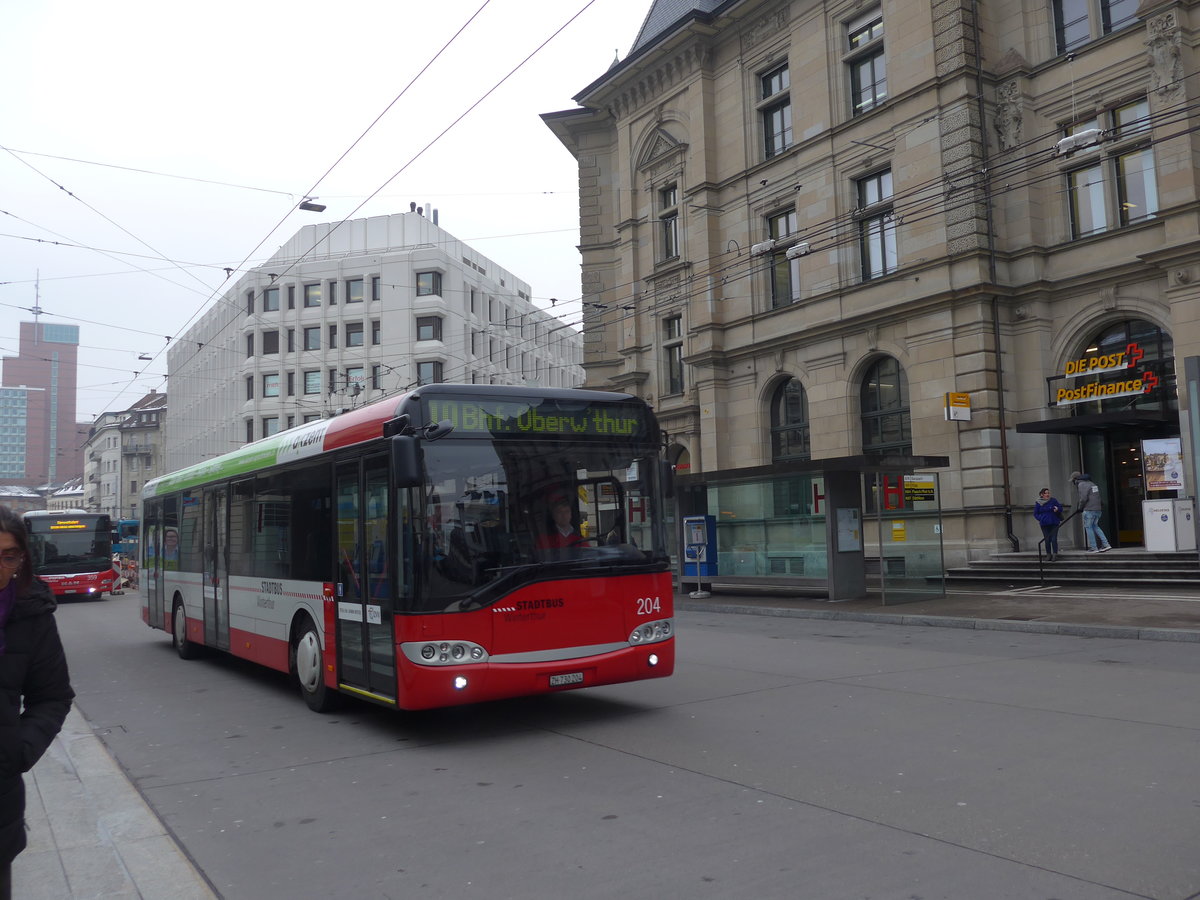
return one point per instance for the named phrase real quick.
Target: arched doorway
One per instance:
(1111, 447)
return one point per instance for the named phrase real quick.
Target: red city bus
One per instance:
(397, 552)
(71, 551)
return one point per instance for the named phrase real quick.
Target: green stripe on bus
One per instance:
(250, 458)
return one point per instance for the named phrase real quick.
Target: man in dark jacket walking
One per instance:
(1091, 506)
(35, 686)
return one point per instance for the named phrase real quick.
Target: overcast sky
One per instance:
(184, 134)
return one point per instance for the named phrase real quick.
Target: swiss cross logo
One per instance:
(1150, 380)
(1134, 355)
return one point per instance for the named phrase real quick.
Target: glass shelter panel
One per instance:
(771, 527)
(907, 551)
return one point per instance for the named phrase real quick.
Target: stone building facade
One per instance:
(817, 230)
(122, 452)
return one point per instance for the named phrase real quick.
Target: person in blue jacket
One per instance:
(1049, 514)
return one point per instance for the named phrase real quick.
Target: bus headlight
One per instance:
(652, 632)
(460, 682)
(444, 653)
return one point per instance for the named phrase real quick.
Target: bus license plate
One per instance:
(566, 678)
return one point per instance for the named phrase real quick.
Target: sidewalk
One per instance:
(1144, 614)
(90, 833)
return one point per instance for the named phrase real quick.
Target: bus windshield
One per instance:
(69, 544)
(501, 513)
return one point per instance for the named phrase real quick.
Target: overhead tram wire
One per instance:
(336, 162)
(292, 264)
(105, 253)
(445, 130)
(175, 264)
(105, 217)
(89, 162)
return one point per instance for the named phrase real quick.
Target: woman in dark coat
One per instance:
(35, 688)
(1048, 512)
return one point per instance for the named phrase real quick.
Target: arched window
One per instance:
(789, 423)
(1158, 357)
(886, 426)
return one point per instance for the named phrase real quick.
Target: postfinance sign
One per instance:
(1142, 383)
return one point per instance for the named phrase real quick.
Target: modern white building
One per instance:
(349, 312)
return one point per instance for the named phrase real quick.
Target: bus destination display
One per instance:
(495, 418)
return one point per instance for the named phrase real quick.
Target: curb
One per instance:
(1184, 635)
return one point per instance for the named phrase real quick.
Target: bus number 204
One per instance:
(648, 606)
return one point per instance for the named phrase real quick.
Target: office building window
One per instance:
(672, 344)
(375, 332)
(333, 293)
(270, 426)
(876, 225)
(333, 336)
(429, 328)
(270, 385)
(249, 303)
(668, 221)
(312, 337)
(270, 342)
(291, 340)
(291, 386)
(250, 344)
(291, 296)
(271, 300)
(249, 430)
(865, 59)
(886, 427)
(354, 334)
(312, 296)
(376, 288)
(376, 371)
(775, 109)
(429, 372)
(429, 284)
(312, 381)
(354, 290)
(355, 380)
(249, 387)
(784, 272)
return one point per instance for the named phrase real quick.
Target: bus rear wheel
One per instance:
(308, 665)
(185, 648)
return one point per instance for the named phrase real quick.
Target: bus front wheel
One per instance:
(308, 665)
(185, 648)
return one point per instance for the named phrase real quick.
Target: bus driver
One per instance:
(563, 533)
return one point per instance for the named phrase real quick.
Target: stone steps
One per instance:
(1116, 567)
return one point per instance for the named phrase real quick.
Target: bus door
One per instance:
(365, 575)
(216, 569)
(150, 566)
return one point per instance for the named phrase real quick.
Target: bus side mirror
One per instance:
(667, 476)
(406, 466)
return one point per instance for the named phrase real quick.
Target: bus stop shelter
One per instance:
(845, 527)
